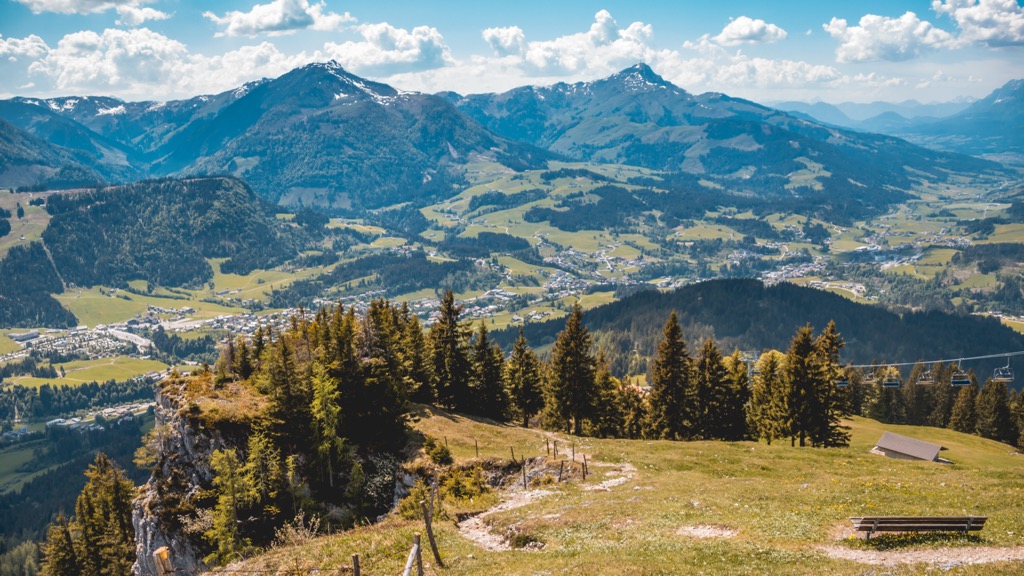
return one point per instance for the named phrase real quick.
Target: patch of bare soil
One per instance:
(620, 475)
(707, 531)
(944, 557)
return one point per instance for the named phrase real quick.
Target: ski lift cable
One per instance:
(1006, 355)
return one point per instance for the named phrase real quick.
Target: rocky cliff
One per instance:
(165, 512)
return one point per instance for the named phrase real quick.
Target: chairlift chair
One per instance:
(926, 377)
(1004, 374)
(960, 378)
(891, 382)
(842, 383)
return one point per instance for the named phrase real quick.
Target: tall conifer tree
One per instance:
(713, 392)
(992, 413)
(825, 428)
(963, 417)
(449, 361)
(572, 372)
(673, 400)
(803, 375)
(525, 382)
(768, 414)
(488, 384)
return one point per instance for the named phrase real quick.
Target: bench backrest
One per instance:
(922, 522)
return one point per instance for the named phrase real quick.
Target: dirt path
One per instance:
(475, 529)
(945, 557)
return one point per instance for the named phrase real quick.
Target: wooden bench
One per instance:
(872, 524)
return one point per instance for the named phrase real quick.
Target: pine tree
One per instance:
(802, 375)
(634, 412)
(59, 556)
(888, 404)
(263, 473)
(450, 366)
(524, 380)
(232, 496)
(326, 421)
(414, 346)
(712, 392)
(488, 382)
(243, 359)
(941, 397)
(608, 411)
(572, 372)
(992, 413)
(916, 397)
(101, 538)
(826, 429)
(963, 417)
(735, 397)
(768, 414)
(673, 401)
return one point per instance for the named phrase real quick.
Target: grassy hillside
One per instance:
(703, 507)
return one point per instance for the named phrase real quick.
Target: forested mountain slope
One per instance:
(748, 315)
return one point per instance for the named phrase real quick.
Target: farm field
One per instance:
(92, 307)
(99, 370)
(658, 507)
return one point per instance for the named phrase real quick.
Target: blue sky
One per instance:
(929, 50)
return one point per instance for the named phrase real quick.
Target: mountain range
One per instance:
(319, 135)
(990, 127)
(637, 117)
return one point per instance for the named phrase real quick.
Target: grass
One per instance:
(100, 370)
(256, 284)
(6, 344)
(92, 307)
(31, 226)
(782, 503)
(10, 459)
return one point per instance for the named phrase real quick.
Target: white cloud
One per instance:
(78, 6)
(719, 69)
(386, 50)
(134, 15)
(140, 63)
(279, 17)
(744, 30)
(506, 41)
(990, 22)
(604, 47)
(884, 38)
(30, 47)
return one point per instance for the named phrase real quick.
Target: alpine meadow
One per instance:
(301, 287)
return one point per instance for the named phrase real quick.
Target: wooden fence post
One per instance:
(524, 473)
(419, 554)
(547, 446)
(560, 468)
(430, 534)
(556, 448)
(573, 450)
(162, 560)
(513, 451)
(355, 564)
(477, 446)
